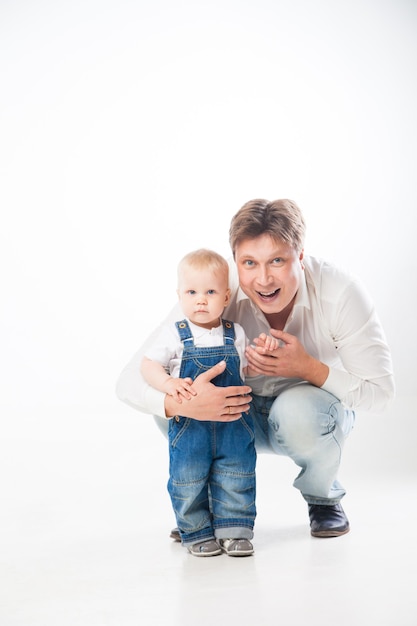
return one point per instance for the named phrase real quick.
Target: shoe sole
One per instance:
(214, 553)
(238, 553)
(324, 534)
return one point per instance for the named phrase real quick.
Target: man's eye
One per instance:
(278, 261)
(249, 263)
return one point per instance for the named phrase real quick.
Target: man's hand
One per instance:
(212, 403)
(290, 360)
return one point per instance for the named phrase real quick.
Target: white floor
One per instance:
(85, 522)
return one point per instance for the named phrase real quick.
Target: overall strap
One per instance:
(184, 332)
(228, 331)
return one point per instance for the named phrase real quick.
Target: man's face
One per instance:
(269, 273)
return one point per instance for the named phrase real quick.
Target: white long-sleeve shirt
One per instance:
(335, 320)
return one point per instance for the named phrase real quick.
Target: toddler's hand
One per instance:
(180, 388)
(267, 342)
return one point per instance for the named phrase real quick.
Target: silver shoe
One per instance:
(205, 548)
(175, 534)
(237, 547)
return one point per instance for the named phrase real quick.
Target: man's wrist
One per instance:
(170, 408)
(318, 373)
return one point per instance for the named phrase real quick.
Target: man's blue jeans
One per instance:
(310, 426)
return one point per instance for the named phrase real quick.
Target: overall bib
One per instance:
(212, 464)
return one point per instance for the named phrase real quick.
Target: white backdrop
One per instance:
(131, 132)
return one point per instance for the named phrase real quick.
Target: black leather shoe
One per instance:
(328, 521)
(175, 534)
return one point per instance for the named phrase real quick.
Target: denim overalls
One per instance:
(212, 464)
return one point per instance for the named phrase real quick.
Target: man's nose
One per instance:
(264, 275)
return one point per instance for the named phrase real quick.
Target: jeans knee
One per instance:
(302, 414)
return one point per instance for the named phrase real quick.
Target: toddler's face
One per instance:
(203, 294)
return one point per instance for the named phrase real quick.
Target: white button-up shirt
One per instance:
(335, 320)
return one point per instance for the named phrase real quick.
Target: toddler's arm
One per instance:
(156, 376)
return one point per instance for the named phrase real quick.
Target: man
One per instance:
(332, 361)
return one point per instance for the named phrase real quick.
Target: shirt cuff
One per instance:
(155, 401)
(338, 383)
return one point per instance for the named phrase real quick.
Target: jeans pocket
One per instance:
(247, 422)
(177, 427)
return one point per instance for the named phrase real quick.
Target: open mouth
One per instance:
(268, 295)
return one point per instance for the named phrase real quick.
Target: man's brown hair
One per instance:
(281, 219)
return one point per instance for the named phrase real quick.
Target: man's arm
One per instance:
(131, 387)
